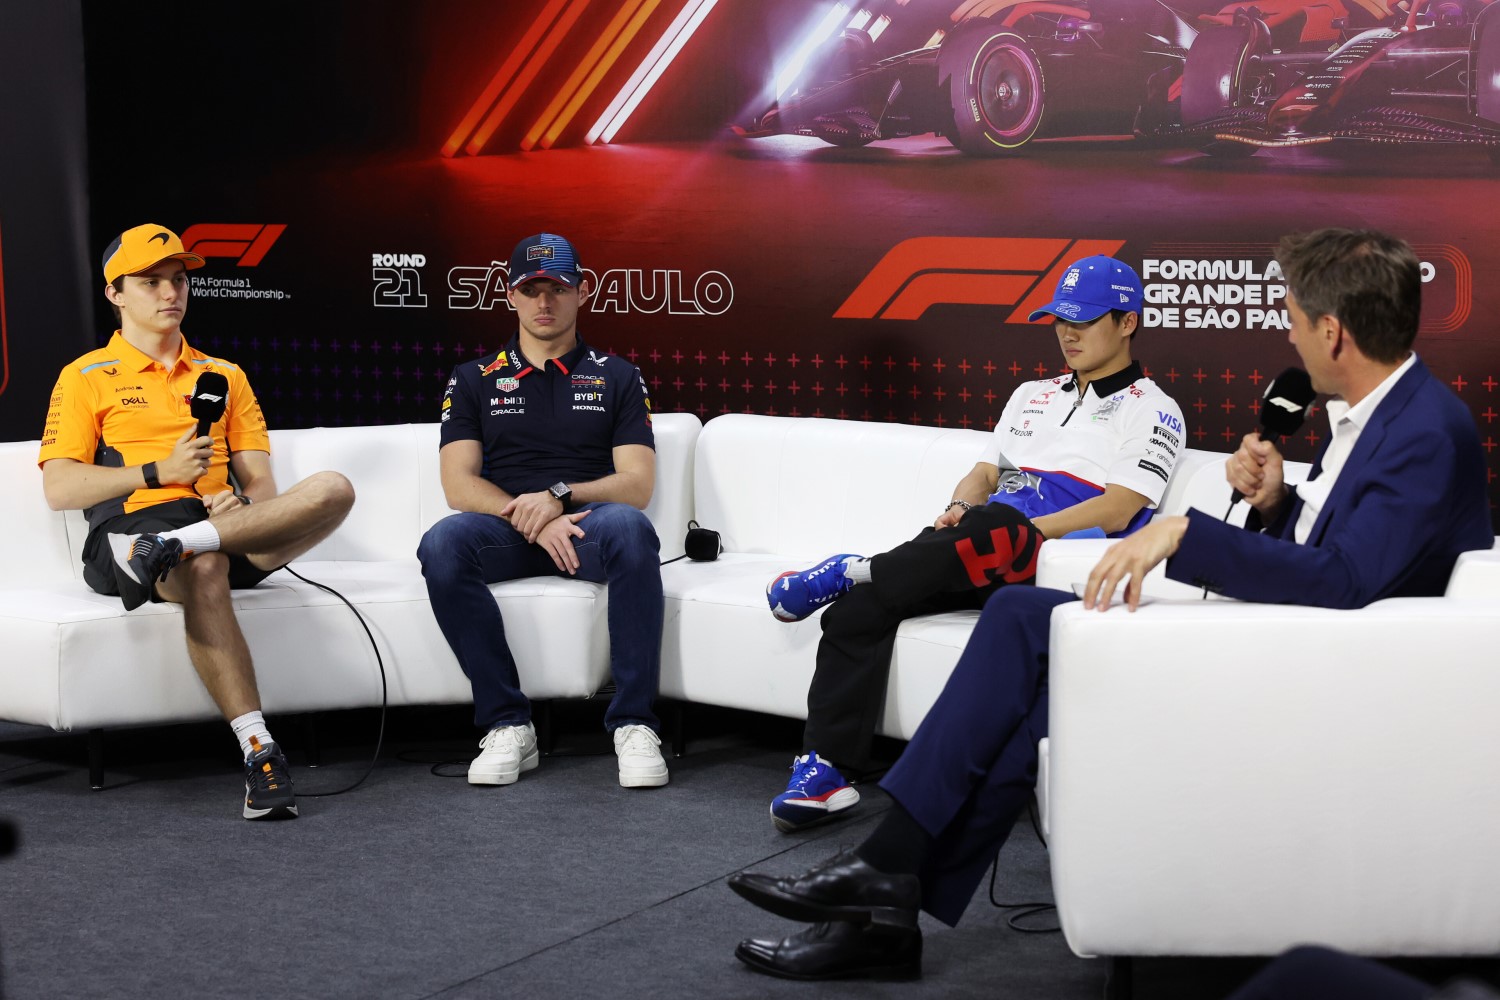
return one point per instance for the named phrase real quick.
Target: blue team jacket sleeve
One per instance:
(1414, 498)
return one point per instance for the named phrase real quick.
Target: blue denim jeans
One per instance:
(465, 552)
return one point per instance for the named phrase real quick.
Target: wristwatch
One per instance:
(562, 492)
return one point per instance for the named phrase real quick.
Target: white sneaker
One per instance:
(641, 764)
(506, 752)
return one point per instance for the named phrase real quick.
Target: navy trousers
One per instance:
(463, 553)
(969, 770)
(1311, 973)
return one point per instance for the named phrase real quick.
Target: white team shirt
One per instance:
(1056, 449)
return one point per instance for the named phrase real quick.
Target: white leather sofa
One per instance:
(785, 492)
(1221, 778)
(782, 492)
(75, 660)
(1235, 779)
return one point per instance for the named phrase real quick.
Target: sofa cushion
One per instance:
(722, 646)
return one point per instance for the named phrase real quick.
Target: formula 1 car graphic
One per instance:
(1029, 69)
(1232, 80)
(1430, 74)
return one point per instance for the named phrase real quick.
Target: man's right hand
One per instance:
(949, 517)
(557, 538)
(1255, 472)
(189, 460)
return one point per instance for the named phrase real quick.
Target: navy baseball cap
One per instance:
(545, 255)
(1092, 287)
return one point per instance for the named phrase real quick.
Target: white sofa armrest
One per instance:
(1231, 778)
(1476, 574)
(1064, 562)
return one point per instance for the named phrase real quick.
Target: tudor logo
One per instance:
(926, 271)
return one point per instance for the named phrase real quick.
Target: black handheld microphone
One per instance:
(210, 396)
(1285, 403)
(1283, 407)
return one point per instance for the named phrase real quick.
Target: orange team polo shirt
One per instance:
(118, 407)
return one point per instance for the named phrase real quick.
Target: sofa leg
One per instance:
(546, 735)
(311, 748)
(94, 739)
(1121, 982)
(679, 728)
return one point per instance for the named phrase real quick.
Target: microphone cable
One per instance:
(1024, 910)
(384, 692)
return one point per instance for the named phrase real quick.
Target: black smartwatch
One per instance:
(563, 493)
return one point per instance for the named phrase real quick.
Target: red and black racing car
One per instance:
(1230, 79)
(1280, 74)
(1009, 72)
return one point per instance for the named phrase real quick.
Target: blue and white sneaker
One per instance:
(816, 792)
(795, 595)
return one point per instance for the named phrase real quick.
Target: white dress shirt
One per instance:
(1345, 422)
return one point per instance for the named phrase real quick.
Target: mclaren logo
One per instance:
(926, 271)
(160, 236)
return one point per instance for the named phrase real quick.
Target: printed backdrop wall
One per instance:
(860, 237)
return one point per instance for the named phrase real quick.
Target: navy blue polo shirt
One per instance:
(556, 422)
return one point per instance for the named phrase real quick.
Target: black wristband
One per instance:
(148, 471)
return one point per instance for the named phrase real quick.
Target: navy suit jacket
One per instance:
(1411, 497)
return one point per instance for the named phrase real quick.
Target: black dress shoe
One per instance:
(842, 888)
(837, 951)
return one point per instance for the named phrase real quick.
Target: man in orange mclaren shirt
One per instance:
(174, 516)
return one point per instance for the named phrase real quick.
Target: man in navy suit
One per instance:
(1398, 492)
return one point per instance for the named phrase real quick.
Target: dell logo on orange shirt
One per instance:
(248, 242)
(926, 271)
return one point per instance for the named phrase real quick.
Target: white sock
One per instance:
(248, 726)
(857, 570)
(199, 537)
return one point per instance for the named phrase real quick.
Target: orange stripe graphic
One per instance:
(502, 76)
(526, 76)
(585, 77)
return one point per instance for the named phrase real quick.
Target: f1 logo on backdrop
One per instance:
(925, 271)
(247, 242)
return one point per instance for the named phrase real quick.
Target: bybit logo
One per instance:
(925, 271)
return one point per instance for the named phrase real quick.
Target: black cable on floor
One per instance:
(384, 698)
(1024, 910)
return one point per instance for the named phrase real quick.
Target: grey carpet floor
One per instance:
(419, 886)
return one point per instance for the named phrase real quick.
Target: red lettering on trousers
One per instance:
(1012, 560)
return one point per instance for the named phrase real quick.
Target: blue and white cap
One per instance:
(1092, 287)
(545, 255)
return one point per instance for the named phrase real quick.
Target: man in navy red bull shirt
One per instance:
(1090, 451)
(548, 456)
